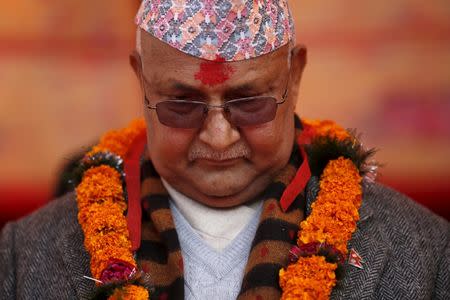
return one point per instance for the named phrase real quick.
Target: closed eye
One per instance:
(180, 107)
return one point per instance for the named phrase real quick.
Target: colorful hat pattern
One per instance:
(227, 30)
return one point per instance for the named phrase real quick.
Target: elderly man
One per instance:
(222, 192)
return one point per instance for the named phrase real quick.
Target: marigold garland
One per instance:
(101, 207)
(331, 223)
(335, 211)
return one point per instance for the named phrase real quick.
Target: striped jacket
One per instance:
(405, 251)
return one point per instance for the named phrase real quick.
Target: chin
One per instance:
(217, 185)
(229, 194)
(223, 191)
(221, 202)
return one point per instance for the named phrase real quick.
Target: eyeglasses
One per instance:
(240, 112)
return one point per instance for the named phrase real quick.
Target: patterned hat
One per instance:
(226, 30)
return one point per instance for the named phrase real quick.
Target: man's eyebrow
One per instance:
(180, 86)
(242, 89)
(173, 84)
(183, 87)
(249, 89)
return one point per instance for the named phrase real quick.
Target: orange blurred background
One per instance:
(382, 68)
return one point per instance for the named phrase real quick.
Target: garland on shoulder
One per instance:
(101, 205)
(323, 237)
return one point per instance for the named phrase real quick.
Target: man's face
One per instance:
(218, 164)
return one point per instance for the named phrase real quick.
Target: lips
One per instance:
(220, 162)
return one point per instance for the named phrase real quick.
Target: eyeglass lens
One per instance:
(241, 112)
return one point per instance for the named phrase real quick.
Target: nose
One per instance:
(217, 132)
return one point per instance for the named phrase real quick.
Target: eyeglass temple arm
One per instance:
(147, 102)
(286, 91)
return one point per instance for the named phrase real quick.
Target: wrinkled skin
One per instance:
(219, 165)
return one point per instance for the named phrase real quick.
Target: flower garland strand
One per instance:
(101, 206)
(323, 236)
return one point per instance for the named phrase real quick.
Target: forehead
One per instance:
(162, 63)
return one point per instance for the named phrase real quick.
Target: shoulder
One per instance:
(37, 249)
(417, 239)
(404, 249)
(49, 222)
(399, 214)
(44, 232)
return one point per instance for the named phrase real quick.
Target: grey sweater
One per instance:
(209, 274)
(405, 249)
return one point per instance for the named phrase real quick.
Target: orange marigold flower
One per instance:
(326, 128)
(87, 213)
(119, 141)
(99, 184)
(106, 235)
(104, 223)
(309, 278)
(130, 292)
(101, 205)
(335, 211)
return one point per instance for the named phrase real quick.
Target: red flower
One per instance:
(309, 249)
(117, 270)
(294, 254)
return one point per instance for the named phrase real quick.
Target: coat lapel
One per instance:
(75, 257)
(369, 242)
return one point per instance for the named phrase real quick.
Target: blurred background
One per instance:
(383, 68)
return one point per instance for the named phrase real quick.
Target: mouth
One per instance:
(220, 162)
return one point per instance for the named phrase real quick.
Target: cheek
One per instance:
(271, 143)
(168, 145)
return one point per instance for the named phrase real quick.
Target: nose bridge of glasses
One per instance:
(223, 106)
(217, 112)
(218, 122)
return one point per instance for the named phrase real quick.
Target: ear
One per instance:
(298, 63)
(136, 64)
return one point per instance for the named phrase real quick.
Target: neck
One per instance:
(216, 226)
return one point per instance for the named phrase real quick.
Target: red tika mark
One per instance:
(215, 72)
(264, 251)
(259, 297)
